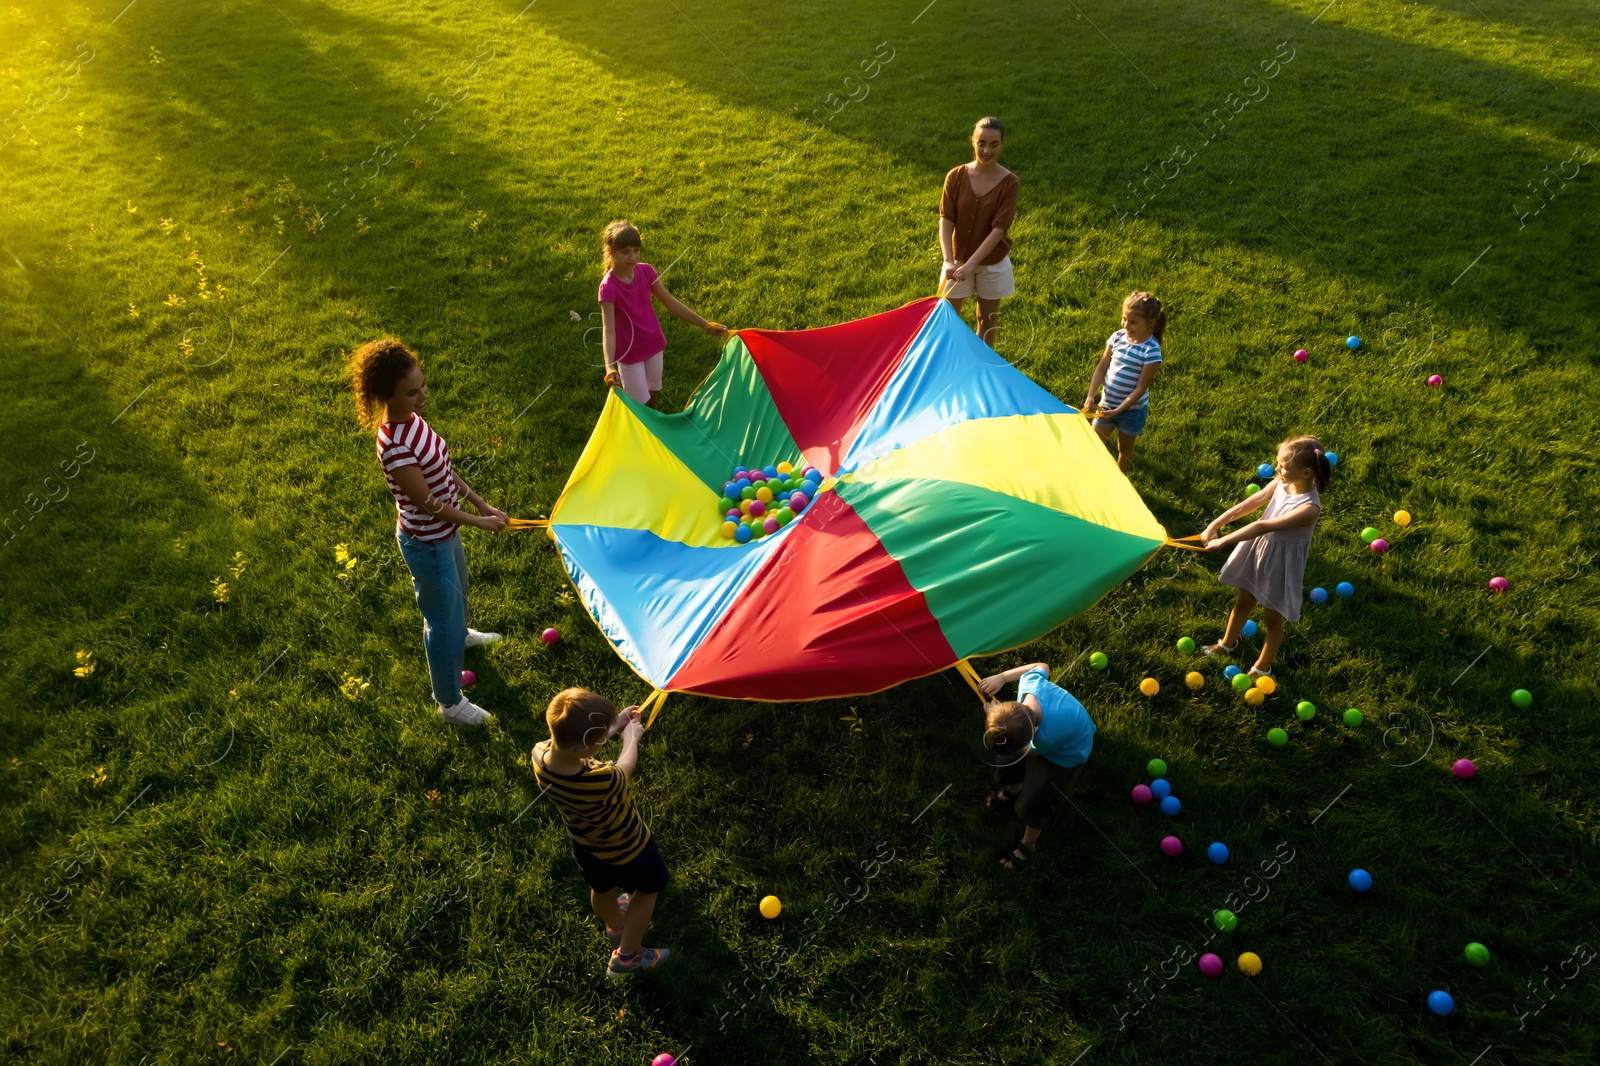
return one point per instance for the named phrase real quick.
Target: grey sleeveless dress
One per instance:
(1272, 567)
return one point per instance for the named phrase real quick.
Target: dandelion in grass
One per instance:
(173, 300)
(219, 590)
(98, 778)
(239, 563)
(85, 665)
(352, 687)
(167, 225)
(362, 226)
(341, 555)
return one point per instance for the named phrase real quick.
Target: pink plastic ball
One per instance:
(468, 679)
(1463, 768)
(1499, 584)
(734, 514)
(1141, 794)
(1435, 381)
(664, 1059)
(1211, 965)
(758, 508)
(550, 636)
(1380, 545)
(1171, 846)
(770, 525)
(798, 501)
(1301, 356)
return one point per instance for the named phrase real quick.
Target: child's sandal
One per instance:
(1016, 856)
(1220, 648)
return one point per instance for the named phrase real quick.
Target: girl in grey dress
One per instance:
(1268, 564)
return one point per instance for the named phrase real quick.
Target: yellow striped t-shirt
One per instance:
(596, 805)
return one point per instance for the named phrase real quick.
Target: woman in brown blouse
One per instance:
(975, 212)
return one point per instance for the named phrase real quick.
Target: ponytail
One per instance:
(1148, 308)
(1308, 451)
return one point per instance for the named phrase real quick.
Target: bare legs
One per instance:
(641, 908)
(1125, 446)
(988, 316)
(1243, 603)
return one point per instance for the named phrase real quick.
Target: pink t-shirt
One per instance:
(639, 333)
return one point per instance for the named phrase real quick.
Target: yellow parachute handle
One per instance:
(972, 678)
(1178, 542)
(527, 523)
(653, 703)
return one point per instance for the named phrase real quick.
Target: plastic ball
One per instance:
(798, 501)
(808, 471)
(729, 529)
(1499, 584)
(1186, 645)
(771, 907)
(1345, 590)
(1301, 355)
(1277, 737)
(1360, 880)
(1217, 852)
(757, 478)
(1195, 680)
(1353, 717)
(785, 468)
(1241, 681)
(1225, 921)
(1305, 710)
(1476, 954)
(744, 508)
(742, 482)
(1171, 845)
(770, 471)
(1463, 768)
(1250, 962)
(1267, 684)
(468, 679)
(771, 525)
(758, 508)
(664, 1059)
(1250, 628)
(1332, 457)
(747, 493)
(1319, 595)
(1171, 806)
(785, 516)
(1251, 490)
(726, 504)
(1099, 661)
(1522, 698)
(742, 534)
(550, 636)
(1380, 545)
(1140, 794)
(1210, 965)
(1441, 1002)
(1402, 518)
(1255, 697)
(1434, 381)
(1369, 534)
(1156, 768)
(1230, 672)
(1149, 686)
(1352, 342)
(757, 530)
(764, 494)
(739, 472)
(1264, 470)
(1160, 788)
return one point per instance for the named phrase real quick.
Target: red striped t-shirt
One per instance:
(414, 443)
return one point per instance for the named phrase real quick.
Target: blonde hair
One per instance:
(1148, 308)
(620, 234)
(1008, 728)
(1307, 451)
(375, 371)
(579, 718)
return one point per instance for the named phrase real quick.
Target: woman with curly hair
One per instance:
(390, 395)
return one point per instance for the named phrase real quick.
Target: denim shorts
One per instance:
(1129, 422)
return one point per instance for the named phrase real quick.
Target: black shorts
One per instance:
(646, 873)
(1043, 783)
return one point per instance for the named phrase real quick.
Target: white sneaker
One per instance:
(466, 713)
(476, 637)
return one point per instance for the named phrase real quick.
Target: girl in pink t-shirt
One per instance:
(631, 332)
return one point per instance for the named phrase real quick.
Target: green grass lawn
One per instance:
(243, 835)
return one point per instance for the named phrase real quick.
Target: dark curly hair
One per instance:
(375, 370)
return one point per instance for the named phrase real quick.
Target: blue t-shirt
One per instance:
(1066, 732)
(1128, 361)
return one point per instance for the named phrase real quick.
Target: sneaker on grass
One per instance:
(465, 713)
(648, 960)
(476, 637)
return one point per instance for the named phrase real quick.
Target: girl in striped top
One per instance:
(1127, 368)
(390, 396)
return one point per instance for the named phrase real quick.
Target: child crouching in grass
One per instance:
(609, 841)
(1041, 741)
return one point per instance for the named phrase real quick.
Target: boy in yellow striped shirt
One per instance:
(609, 841)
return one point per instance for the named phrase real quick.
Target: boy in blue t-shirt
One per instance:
(1042, 740)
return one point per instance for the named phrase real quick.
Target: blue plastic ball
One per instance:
(1352, 342)
(1319, 595)
(770, 471)
(1230, 671)
(741, 483)
(1170, 806)
(1250, 628)
(1360, 880)
(730, 488)
(1217, 853)
(1264, 470)
(1345, 589)
(1332, 457)
(813, 474)
(1160, 788)
(1441, 1002)
(743, 534)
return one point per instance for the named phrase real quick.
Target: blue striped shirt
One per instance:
(1128, 360)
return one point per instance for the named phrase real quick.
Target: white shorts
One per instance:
(639, 380)
(992, 282)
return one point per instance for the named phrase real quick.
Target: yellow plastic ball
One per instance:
(785, 468)
(729, 529)
(1266, 685)
(1255, 697)
(1149, 686)
(764, 494)
(744, 507)
(771, 908)
(1194, 679)
(1250, 964)
(1402, 518)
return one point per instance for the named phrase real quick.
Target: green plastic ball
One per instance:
(1099, 661)
(1156, 768)
(1476, 954)
(1353, 718)
(1306, 710)
(747, 493)
(1186, 645)
(785, 516)
(757, 530)
(1226, 921)
(1369, 534)
(725, 505)
(1522, 698)
(1277, 737)
(1241, 682)
(1251, 490)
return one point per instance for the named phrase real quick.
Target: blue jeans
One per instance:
(439, 574)
(1129, 422)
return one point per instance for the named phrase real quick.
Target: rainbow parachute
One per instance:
(963, 511)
